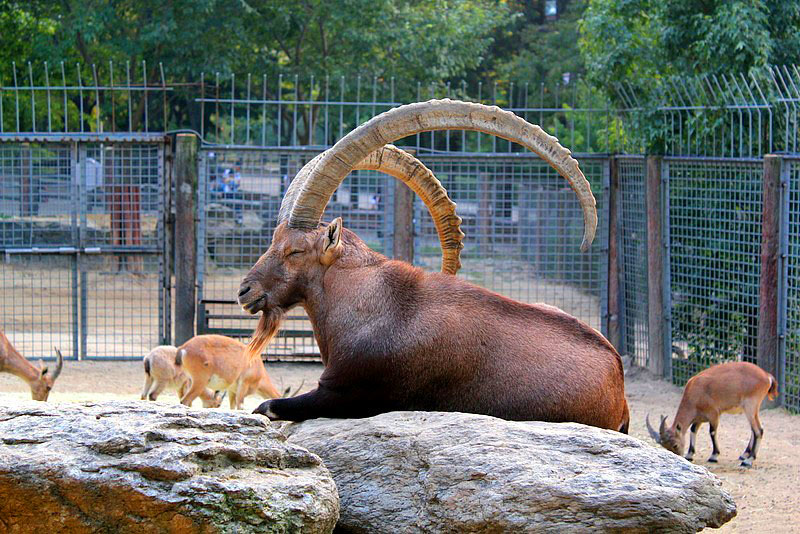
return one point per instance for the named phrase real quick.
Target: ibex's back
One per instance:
(436, 342)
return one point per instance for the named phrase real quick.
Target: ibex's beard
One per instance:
(267, 328)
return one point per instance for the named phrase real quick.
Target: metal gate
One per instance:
(83, 242)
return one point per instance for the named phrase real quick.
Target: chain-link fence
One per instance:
(791, 347)
(715, 209)
(81, 230)
(632, 227)
(240, 193)
(523, 227)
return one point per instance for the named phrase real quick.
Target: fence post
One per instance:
(767, 345)
(614, 334)
(185, 246)
(403, 239)
(655, 266)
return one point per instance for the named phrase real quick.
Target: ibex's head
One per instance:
(302, 248)
(666, 437)
(40, 388)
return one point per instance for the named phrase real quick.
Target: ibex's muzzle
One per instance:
(251, 297)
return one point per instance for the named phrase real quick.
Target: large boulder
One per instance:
(454, 472)
(145, 467)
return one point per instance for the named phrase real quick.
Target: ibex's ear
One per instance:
(332, 241)
(42, 368)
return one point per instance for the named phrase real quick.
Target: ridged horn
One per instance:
(321, 176)
(401, 165)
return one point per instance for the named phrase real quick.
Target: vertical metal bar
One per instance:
(247, 120)
(216, 109)
(113, 108)
(280, 96)
(341, 108)
(233, 108)
(164, 107)
(264, 110)
(99, 119)
(447, 132)
(494, 103)
(33, 98)
(144, 92)
(605, 247)
(294, 112)
(326, 142)
(311, 112)
(80, 95)
(130, 96)
(202, 105)
(47, 86)
(16, 92)
(202, 222)
(82, 260)
(666, 284)
(66, 109)
(76, 240)
(163, 258)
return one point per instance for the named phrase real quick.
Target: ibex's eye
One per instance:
(294, 252)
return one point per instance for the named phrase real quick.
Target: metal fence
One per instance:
(82, 234)
(632, 227)
(790, 310)
(713, 259)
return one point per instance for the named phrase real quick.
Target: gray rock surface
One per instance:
(453, 472)
(145, 467)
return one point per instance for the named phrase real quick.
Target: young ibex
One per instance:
(161, 372)
(395, 338)
(39, 379)
(732, 387)
(220, 363)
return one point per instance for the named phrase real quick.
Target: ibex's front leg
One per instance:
(321, 402)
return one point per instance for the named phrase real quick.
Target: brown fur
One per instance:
(732, 387)
(395, 338)
(39, 379)
(161, 372)
(221, 363)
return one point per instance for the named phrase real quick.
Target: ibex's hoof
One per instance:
(689, 458)
(714, 460)
(748, 463)
(265, 409)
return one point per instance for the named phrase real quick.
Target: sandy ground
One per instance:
(768, 495)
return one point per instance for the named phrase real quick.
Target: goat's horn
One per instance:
(401, 165)
(59, 365)
(323, 175)
(662, 429)
(651, 431)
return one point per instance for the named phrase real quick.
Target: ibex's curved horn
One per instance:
(401, 165)
(651, 431)
(662, 429)
(59, 365)
(323, 175)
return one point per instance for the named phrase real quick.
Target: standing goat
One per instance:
(161, 372)
(39, 378)
(732, 387)
(220, 362)
(395, 338)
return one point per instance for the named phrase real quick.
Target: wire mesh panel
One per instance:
(240, 193)
(122, 197)
(38, 233)
(523, 227)
(715, 243)
(633, 249)
(791, 351)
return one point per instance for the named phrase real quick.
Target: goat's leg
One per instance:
(321, 402)
(712, 430)
(156, 389)
(751, 411)
(232, 398)
(692, 439)
(195, 390)
(148, 381)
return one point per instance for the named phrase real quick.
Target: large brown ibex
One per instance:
(39, 379)
(395, 338)
(732, 387)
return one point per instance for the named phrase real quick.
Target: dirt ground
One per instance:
(767, 496)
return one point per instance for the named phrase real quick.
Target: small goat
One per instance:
(39, 378)
(161, 372)
(732, 387)
(220, 362)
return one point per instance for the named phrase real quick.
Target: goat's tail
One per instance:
(179, 357)
(772, 394)
(147, 366)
